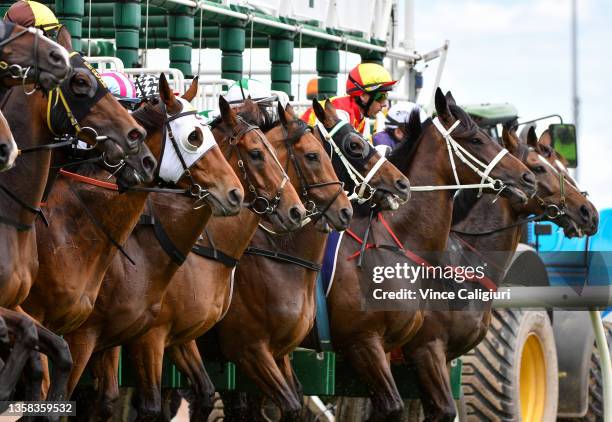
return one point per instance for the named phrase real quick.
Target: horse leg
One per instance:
(260, 366)
(33, 376)
(146, 355)
(58, 352)
(284, 364)
(24, 332)
(369, 359)
(434, 381)
(105, 367)
(187, 357)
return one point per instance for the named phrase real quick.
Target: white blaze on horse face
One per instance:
(13, 148)
(171, 169)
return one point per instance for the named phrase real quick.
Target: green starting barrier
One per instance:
(321, 374)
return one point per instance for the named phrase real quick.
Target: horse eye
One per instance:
(539, 169)
(256, 154)
(353, 145)
(194, 139)
(312, 156)
(476, 141)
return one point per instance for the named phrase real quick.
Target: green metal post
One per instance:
(70, 14)
(231, 41)
(328, 66)
(372, 57)
(281, 56)
(127, 25)
(180, 37)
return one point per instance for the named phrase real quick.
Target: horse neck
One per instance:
(424, 221)
(484, 216)
(232, 235)
(28, 178)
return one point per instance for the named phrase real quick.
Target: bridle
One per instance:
(260, 204)
(16, 71)
(456, 150)
(312, 210)
(362, 192)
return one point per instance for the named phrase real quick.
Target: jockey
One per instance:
(367, 90)
(122, 88)
(32, 13)
(395, 124)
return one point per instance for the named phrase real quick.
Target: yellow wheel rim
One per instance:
(532, 380)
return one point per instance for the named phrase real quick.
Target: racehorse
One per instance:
(160, 256)
(312, 174)
(491, 231)
(89, 224)
(435, 160)
(83, 106)
(8, 147)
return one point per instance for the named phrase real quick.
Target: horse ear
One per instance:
(227, 113)
(192, 91)
(450, 99)
(442, 105)
(64, 38)
(281, 115)
(545, 138)
(318, 110)
(532, 138)
(510, 140)
(250, 106)
(289, 110)
(165, 93)
(329, 107)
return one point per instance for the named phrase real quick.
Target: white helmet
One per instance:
(399, 113)
(245, 88)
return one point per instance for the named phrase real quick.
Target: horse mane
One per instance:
(468, 126)
(149, 116)
(401, 156)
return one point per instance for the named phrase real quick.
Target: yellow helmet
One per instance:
(32, 13)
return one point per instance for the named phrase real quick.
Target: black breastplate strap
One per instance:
(283, 257)
(215, 255)
(162, 237)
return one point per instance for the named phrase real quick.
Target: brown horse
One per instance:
(423, 224)
(63, 296)
(184, 318)
(446, 335)
(159, 257)
(36, 120)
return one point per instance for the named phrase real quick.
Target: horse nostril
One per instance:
(584, 212)
(148, 164)
(345, 216)
(234, 197)
(135, 137)
(56, 58)
(529, 179)
(402, 184)
(296, 214)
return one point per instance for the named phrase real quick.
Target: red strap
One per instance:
(89, 180)
(381, 218)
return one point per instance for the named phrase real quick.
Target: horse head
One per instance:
(365, 172)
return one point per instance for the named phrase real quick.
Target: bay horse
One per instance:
(88, 109)
(491, 231)
(89, 224)
(184, 318)
(113, 323)
(364, 336)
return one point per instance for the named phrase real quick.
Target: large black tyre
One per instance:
(595, 409)
(518, 348)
